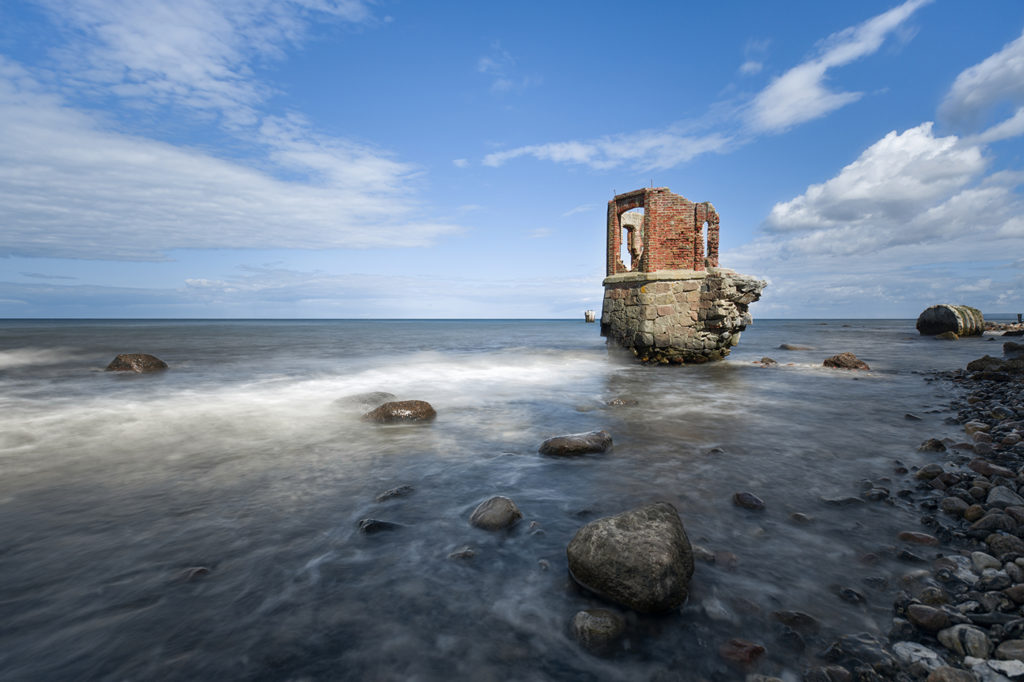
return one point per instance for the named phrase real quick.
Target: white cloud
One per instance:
(460, 163)
(750, 67)
(192, 53)
(800, 94)
(649, 150)
(69, 188)
(914, 220)
(889, 184)
(999, 78)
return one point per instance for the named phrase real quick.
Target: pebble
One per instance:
(981, 561)
(949, 674)
(916, 538)
(1011, 649)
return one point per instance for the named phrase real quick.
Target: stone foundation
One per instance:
(678, 316)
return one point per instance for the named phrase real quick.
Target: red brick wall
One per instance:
(673, 234)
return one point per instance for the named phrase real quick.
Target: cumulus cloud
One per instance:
(997, 79)
(70, 188)
(914, 219)
(801, 95)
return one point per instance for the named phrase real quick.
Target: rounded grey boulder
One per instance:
(640, 558)
(495, 514)
(401, 411)
(136, 362)
(576, 444)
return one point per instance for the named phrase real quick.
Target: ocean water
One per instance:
(240, 459)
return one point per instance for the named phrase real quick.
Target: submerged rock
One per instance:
(748, 501)
(740, 651)
(576, 444)
(401, 411)
(400, 491)
(793, 346)
(366, 401)
(371, 526)
(845, 361)
(495, 514)
(136, 362)
(640, 558)
(947, 336)
(597, 629)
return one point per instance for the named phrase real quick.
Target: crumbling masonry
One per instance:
(671, 303)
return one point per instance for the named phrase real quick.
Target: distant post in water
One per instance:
(665, 298)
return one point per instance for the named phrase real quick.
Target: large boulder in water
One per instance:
(640, 558)
(962, 320)
(136, 362)
(576, 444)
(401, 411)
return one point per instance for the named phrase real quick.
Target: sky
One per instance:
(389, 158)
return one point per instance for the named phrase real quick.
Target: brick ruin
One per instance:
(671, 302)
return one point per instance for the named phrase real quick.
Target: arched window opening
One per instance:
(632, 241)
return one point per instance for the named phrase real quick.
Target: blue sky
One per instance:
(342, 158)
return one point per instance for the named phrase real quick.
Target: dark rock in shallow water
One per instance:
(365, 401)
(748, 501)
(768, 362)
(740, 651)
(495, 514)
(371, 526)
(792, 346)
(597, 629)
(464, 553)
(401, 411)
(932, 445)
(845, 361)
(947, 336)
(400, 491)
(136, 362)
(640, 558)
(576, 444)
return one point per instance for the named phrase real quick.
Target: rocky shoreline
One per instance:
(960, 617)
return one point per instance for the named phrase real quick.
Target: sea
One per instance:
(202, 523)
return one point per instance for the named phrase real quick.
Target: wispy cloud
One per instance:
(70, 188)
(800, 94)
(195, 54)
(582, 208)
(795, 97)
(997, 79)
(501, 67)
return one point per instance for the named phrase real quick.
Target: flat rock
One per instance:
(399, 491)
(576, 444)
(597, 629)
(400, 411)
(139, 363)
(916, 658)
(916, 538)
(845, 361)
(640, 558)
(495, 514)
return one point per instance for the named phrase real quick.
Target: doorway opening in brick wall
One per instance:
(632, 248)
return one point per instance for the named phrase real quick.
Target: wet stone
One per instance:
(981, 561)
(140, 363)
(953, 506)
(929, 471)
(373, 526)
(748, 501)
(1011, 649)
(597, 629)
(1001, 496)
(951, 674)
(932, 445)
(464, 553)
(918, 538)
(992, 579)
(740, 651)
(966, 640)
(1001, 544)
(400, 491)
(927, 618)
(576, 444)
(402, 411)
(798, 620)
(974, 512)
(917, 659)
(495, 514)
